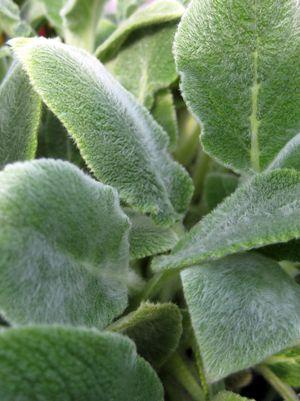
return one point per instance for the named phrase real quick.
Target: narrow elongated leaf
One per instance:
(155, 329)
(286, 365)
(80, 19)
(19, 118)
(217, 187)
(10, 20)
(289, 156)
(244, 308)
(63, 246)
(119, 140)
(61, 363)
(239, 64)
(164, 113)
(145, 64)
(264, 211)
(146, 238)
(158, 12)
(229, 396)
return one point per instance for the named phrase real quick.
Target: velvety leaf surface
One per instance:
(160, 11)
(286, 365)
(217, 187)
(80, 19)
(145, 63)
(19, 118)
(155, 328)
(146, 238)
(60, 363)
(126, 7)
(63, 246)
(289, 156)
(239, 65)
(229, 396)
(119, 140)
(264, 211)
(244, 308)
(164, 113)
(10, 20)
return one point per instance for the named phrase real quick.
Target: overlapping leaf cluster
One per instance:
(102, 170)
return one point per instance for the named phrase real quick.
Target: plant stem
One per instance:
(283, 389)
(177, 368)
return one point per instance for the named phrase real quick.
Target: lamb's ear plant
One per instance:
(151, 251)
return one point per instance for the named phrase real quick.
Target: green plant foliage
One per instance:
(159, 12)
(20, 117)
(263, 211)
(289, 155)
(146, 238)
(286, 365)
(62, 363)
(64, 246)
(80, 20)
(217, 187)
(10, 20)
(164, 113)
(126, 7)
(229, 396)
(155, 328)
(109, 121)
(53, 9)
(244, 308)
(234, 60)
(153, 68)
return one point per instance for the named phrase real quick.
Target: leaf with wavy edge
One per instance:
(19, 118)
(239, 65)
(243, 308)
(118, 138)
(62, 363)
(159, 12)
(264, 211)
(64, 246)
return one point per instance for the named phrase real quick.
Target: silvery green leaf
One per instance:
(142, 66)
(10, 20)
(119, 140)
(158, 12)
(19, 118)
(286, 365)
(289, 155)
(239, 66)
(229, 396)
(244, 308)
(126, 7)
(105, 28)
(80, 20)
(146, 238)
(63, 246)
(217, 187)
(61, 363)
(264, 211)
(155, 328)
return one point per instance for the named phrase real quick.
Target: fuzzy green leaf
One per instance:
(164, 113)
(264, 211)
(217, 187)
(63, 246)
(145, 63)
(244, 308)
(155, 328)
(229, 396)
(60, 363)
(146, 238)
(159, 12)
(289, 156)
(10, 20)
(19, 118)
(286, 366)
(53, 9)
(119, 140)
(80, 20)
(126, 7)
(239, 64)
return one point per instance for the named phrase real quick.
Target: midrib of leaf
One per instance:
(254, 122)
(144, 83)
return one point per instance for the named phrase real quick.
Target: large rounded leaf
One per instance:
(63, 246)
(61, 363)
